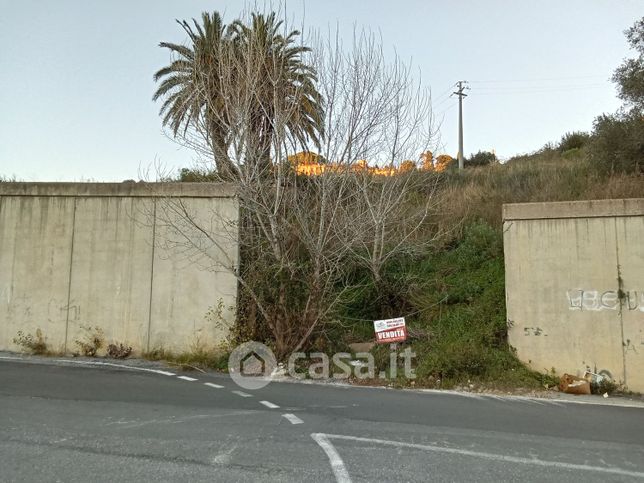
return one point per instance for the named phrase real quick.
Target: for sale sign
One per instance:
(390, 330)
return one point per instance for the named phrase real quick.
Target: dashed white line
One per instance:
(186, 378)
(210, 384)
(337, 465)
(292, 418)
(269, 404)
(488, 456)
(242, 394)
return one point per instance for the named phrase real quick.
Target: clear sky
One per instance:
(76, 75)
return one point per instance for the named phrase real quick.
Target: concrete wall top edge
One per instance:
(574, 209)
(126, 189)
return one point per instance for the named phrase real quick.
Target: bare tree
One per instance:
(299, 235)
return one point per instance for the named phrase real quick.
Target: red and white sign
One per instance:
(390, 330)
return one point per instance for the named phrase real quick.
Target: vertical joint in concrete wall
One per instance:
(69, 283)
(621, 296)
(154, 235)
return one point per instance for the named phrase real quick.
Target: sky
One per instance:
(76, 76)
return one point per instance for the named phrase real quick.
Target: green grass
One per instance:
(455, 299)
(456, 293)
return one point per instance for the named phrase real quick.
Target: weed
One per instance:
(157, 354)
(34, 344)
(604, 386)
(92, 342)
(200, 359)
(118, 351)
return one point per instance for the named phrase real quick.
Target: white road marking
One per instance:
(269, 404)
(490, 456)
(468, 394)
(527, 399)
(186, 378)
(293, 419)
(554, 403)
(242, 394)
(109, 364)
(337, 465)
(447, 392)
(216, 386)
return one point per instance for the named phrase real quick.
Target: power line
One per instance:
(538, 79)
(536, 90)
(448, 98)
(445, 92)
(544, 86)
(445, 96)
(448, 109)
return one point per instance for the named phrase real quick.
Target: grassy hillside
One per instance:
(454, 295)
(479, 193)
(452, 292)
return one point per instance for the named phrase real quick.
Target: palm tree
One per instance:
(194, 97)
(190, 86)
(285, 83)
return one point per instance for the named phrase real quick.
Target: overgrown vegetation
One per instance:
(618, 139)
(35, 344)
(605, 386)
(481, 158)
(197, 359)
(91, 341)
(454, 302)
(248, 96)
(118, 351)
(324, 255)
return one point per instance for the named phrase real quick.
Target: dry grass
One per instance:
(479, 193)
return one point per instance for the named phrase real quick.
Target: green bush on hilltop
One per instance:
(573, 140)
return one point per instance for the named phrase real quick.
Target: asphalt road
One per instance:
(70, 422)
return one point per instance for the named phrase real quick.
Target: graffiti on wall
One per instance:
(597, 300)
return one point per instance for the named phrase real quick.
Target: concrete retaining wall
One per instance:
(575, 286)
(121, 257)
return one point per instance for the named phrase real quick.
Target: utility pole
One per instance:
(461, 87)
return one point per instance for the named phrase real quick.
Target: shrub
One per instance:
(197, 175)
(618, 143)
(574, 153)
(34, 344)
(92, 342)
(118, 351)
(604, 386)
(573, 140)
(482, 158)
